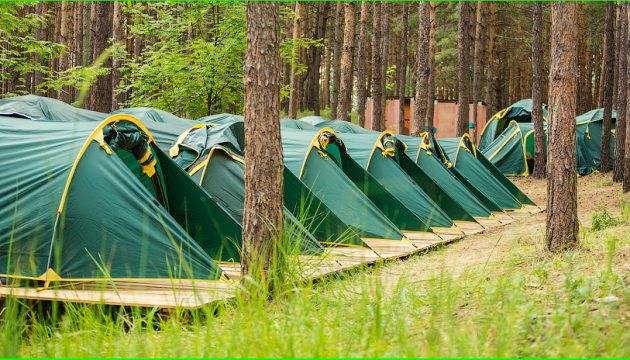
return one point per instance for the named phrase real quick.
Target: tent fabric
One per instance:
(42, 108)
(297, 124)
(147, 114)
(369, 152)
(464, 157)
(220, 119)
(507, 151)
(314, 120)
(304, 156)
(520, 111)
(345, 127)
(213, 155)
(106, 215)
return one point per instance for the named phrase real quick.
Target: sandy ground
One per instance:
(523, 238)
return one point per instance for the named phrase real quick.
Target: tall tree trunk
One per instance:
(422, 68)
(101, 90)
(378, 113)
(262, 215)
(607, 91)
(431, 102)
(626, 40)
(78, 45)
(581, 55)
(464, 70)
(362, 54)
(119, 35)
(326, 93)
(322, 18)
(287, 66)
(346, 63)
(402, 71)
(562, 219)
(620, 128)
(334, 100)
(540, 160)
(618, 43)
(384, 55)
(478, 63)
(41, 8)
(303, 86)
(87, 44)
(491, 54)
(297, 32)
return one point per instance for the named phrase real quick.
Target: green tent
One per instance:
(428, 173)
(297, 124)
(147, 114)
(382, 155)
(426, 149)
(314, 120)
(80, 195)
(220, 119)
(511, 151)
(315, 158)
(472, 166)
(42, 108)
(520, 111)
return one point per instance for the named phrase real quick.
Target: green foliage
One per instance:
(601, 219)
(600, 183)
(196, 61)
(20, 51)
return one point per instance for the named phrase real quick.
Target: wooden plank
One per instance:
(502, 216)
(488, 223)
(470, 228)
(535, 209)
(391, 249)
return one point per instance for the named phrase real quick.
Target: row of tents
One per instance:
(507, 139)
(143, 195)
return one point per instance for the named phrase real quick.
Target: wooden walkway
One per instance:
(194, 294)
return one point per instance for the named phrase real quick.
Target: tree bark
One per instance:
(119, 35)
(491, 54)
(626, 167)
(422, 68)
(262, 215)
(607, 91)
(297, 32)
(344, 106)
(384, 56)
(378, 119)
(322, 18)
(334, 99)
(464, 70)
(78, 48)
(562, 221)
(618, 43)
(101, 90)
(287, 65)
(41, 8)
(478, 63)
(620, 128)
(326, 92)
(540, 158)
(362, 54)
(431, 102)
(402, 71)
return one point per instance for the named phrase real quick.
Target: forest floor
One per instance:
(496, 294)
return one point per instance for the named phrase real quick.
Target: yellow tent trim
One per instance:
(174, 150)
(94, 137)
(204, 163)
(378, 145)
(315, 144)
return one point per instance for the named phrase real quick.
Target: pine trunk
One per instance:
(620, 128)
(344, 106)
(262, 215)
(378, 120)
(422, 68)
(322, 18)
(540, 158)
(431, 102)
(464, 70)
(362, 54)
(334, 99)
(294, 91)
(607, 91)
(626, 167)
(101, 89)
(581, 61)
(402, 71)
(562, 221)
(287, 65)
(41, 7)
(384, 55)
(491, 54)
(478, 63)
(618, 36)
(119, 35)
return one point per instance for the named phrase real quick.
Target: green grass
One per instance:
(600, 183)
